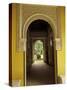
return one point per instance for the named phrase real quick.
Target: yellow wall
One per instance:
(61, 53)
(18, 56)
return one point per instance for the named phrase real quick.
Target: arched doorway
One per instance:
(38, 51)
(40, 47)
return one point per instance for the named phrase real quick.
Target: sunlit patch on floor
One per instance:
(38, 62)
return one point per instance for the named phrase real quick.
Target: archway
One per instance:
(24, 40)
(38, 51)
(40, 32)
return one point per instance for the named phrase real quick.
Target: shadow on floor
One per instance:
(40, 74)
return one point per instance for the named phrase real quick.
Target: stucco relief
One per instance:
(24, 23)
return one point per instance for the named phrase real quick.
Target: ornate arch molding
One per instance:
(36, 17)
(29, 21)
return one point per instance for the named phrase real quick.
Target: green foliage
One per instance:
(38, 47)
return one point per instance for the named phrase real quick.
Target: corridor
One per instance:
(40, 54)
(40, 74)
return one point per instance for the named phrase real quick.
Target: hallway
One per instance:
(40, 74)
(40, 46)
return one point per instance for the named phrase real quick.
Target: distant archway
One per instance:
(38, 51)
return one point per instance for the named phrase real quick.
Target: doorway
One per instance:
(38, 52)
(40, 68)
